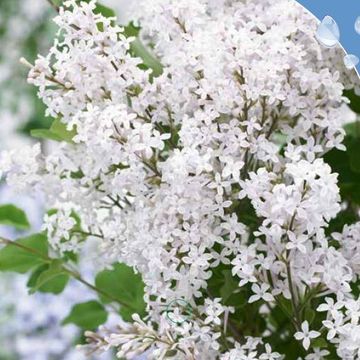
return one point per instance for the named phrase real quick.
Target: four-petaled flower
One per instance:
(305, 335)
(260, 292)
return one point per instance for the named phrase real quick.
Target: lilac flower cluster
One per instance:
(160, 167)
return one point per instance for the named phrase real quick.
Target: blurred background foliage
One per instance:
(30, 326)
(26, 29)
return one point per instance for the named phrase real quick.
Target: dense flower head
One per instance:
(166, 169)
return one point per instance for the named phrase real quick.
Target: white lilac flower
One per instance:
(333, 326)
(349, 241)
(318, 354)
(306, 335)
(331, 306)
(260, 292)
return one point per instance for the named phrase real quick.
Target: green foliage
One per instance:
(246, 212)
(13, 216)
(57, 132)
(309, 315)
(24, 254)
(88, 315)
(49, 278)
(353, 129)
(354, 100)
(131, 30)
(137, 49)
(45, 134)
(283, 340)
(123, 284)
(248, 320)
(246, 317)
(30, 43)
(347, 165)
(229, 287)
(104, 10)
(149, 61)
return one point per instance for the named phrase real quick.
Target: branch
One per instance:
(54, 6)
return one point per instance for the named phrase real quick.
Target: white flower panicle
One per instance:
(349, 241)
(166, 169)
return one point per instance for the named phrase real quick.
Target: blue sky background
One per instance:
(344, 12)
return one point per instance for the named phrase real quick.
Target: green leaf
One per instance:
(104, 11)
(57, 132)
(13, 216)
(45, 134)
(137, 49)
(59, 128)
(49, 279)
(319, 343)
(309, 315)
(149, 60)
(88, 315)
(344, 217)
(18, 259)
(353, 149)
(35, 275)
(347, 165)
(70, 256)
(229, 287)
(354, 100)
(353, 129)
(57, 2)
(131, 30)
(123, 284)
